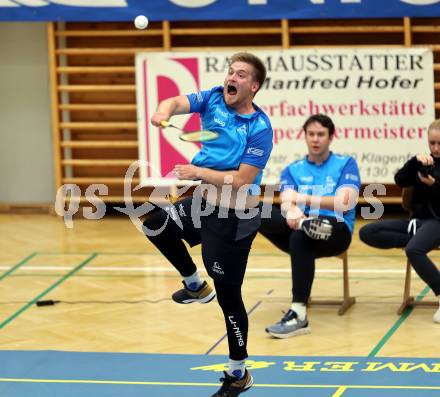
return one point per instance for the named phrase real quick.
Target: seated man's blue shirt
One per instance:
(323, 180)
(243, 138)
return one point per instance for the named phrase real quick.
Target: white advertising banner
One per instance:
(381, 101)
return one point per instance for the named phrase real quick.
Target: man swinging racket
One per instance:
(233, 164)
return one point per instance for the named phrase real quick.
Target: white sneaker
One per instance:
(289, 325)
(436, 316)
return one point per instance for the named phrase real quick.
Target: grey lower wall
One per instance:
(26, 160)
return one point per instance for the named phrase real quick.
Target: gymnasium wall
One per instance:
(26, 161)
(90, 69)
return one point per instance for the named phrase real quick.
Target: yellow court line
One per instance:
(340, 391)
(267, 385)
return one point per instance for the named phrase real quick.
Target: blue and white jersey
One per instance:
(243, 138)
(323, 180)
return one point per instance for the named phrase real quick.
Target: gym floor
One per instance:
(110, 327)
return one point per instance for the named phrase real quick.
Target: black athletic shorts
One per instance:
(225, 236)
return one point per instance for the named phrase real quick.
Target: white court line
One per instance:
(170, 269)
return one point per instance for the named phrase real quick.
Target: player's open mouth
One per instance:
(231, 90)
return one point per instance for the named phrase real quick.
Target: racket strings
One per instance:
(199, 136)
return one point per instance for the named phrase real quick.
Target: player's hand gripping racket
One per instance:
(192, 136)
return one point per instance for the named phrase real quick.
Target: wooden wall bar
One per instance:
(93, 79)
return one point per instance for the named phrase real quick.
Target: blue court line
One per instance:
(397, 324)
(46, 291)
(19, 264)
(225, 335)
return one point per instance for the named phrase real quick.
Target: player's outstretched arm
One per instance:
(170, 107)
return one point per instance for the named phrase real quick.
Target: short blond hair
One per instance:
(257, 63)
(435, 125)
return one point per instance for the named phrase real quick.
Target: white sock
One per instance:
(300, 309)
(194, 281)
(436, 317)
(237, 368)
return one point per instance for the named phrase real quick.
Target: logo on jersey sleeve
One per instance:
(199, 97)
(255, 151)
(352, 177)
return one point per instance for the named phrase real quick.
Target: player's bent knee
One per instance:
(413, 252)
(155, 221)
(364, 234)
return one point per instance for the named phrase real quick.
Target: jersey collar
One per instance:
(321, 164)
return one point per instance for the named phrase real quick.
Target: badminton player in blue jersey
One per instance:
(224, 219)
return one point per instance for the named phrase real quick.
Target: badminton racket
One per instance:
(192, 136)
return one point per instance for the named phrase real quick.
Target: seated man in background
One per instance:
(421, 233)
(316, 218)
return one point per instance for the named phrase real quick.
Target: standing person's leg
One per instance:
(236, 379)
(386, 233)
(303, 252)
(231, 302)
(226, 245)
(425, 240)
(166, 229)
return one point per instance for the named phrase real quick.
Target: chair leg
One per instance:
(348, 301)
(407, 299)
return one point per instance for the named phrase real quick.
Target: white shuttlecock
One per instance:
(141, 22)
